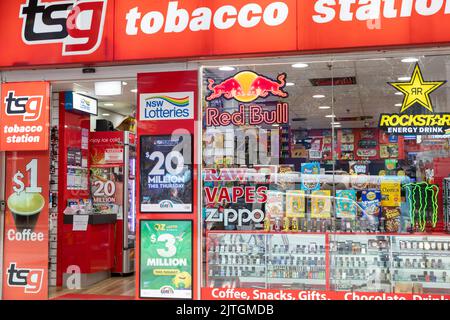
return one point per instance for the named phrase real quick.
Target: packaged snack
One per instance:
(321, 204)
(295, 203)
(346, 204)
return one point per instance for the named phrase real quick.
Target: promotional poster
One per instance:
(166, 174)
(107, 190)
(26, 226)
(166, 259)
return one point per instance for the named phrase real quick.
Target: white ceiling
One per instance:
(369, 97)
(124, 104)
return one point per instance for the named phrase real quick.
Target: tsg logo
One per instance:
(78, 25)
(29, 279)
(30, 107)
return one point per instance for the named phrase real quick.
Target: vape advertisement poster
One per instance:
(295, 203)
(390, 193)
(166, 173)
(107, 190)
(166, 259)
(346, 204)
(321, 204)
(25, 261)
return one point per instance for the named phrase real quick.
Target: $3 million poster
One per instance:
(166, 259)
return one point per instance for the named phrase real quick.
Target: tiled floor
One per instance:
(116, 286)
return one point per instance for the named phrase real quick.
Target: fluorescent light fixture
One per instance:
(318, 96)
(109, 104)
(299, 65)
(275, 125)
(398, 93)
(108, 88)
(338, 126)
(336, 123)
(404, 78)
(290, 84)
(124, 83)
(398, 104)
(324, 107)
(133, 90)
(105, 114)
(410, 60)
(330, 116)
(227, 68)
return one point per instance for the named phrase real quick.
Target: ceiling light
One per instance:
(324, 107)
(109, 104)
(299, 65)
(398, 104)
(398, 93)
(330, 116)
(338, 126)
(275, 125)
(227, 68)
(124, 83)
(410, 60)
(105, 114)
(134, 90)
(108, 88)
(336, 123)
(404, 78)
(290, 84)
(318, 96)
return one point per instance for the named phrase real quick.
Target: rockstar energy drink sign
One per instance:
(416, 95)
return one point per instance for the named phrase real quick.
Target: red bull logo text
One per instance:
(247, 86)
(256, 115)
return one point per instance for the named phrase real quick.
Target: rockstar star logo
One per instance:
(417, 90)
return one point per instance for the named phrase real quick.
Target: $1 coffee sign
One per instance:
(25, 261)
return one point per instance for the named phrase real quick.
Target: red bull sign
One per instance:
(247, 86)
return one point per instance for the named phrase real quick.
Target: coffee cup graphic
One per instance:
(25, 208)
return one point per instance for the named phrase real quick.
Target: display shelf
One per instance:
(237, 264)
(419, 269)
(427, 284)
(296, 280)
(298, 254)
(77, 167)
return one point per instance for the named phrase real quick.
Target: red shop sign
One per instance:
(91, 31)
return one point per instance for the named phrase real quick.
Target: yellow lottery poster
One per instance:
(321, 204)
(295, 203)
(390, 193)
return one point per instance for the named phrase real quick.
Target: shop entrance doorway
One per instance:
(92, 186)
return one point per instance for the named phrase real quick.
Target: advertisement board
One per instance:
(166, 173)
(80, 103)
(166, 259)
(26, 226)
(24, 116)
(111, 31)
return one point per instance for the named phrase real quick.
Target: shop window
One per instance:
(333, 176)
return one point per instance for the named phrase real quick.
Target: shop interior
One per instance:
(349, 205)
(92, 215)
